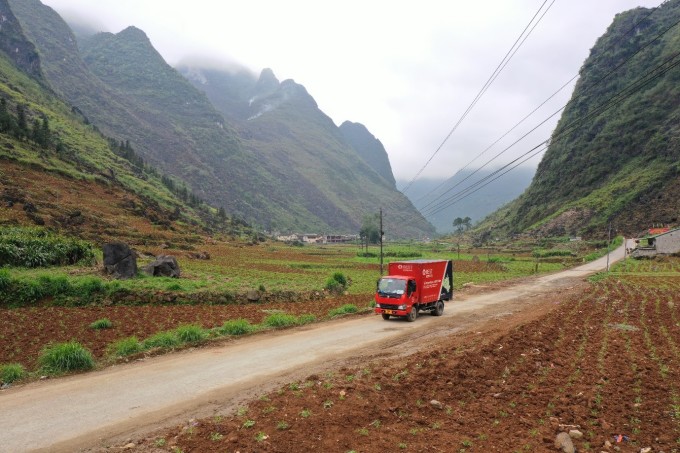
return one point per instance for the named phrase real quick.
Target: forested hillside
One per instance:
(615, 154)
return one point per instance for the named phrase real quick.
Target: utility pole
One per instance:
(609, 240)
(381, 242)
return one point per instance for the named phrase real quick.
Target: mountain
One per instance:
(369, 148)
(59, 172)
(14, 43)
(286, 168)
(281, 124)
(615, 153)
(433, 194)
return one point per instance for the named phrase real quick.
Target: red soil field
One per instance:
(604, 362)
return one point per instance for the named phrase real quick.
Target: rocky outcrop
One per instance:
(15, 45)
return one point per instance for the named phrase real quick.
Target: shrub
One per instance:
(64, 357)
(191, 333)
(5, 280)
(280, 320)
(11, 372)
(103, 323)
(236, 327)
(167, 339)
(336, 282)
(126, 347)
(345, 309)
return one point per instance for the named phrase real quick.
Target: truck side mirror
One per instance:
(411, 287)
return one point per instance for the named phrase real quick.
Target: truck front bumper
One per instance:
(392, 312)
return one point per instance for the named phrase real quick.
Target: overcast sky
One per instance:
(406, 70)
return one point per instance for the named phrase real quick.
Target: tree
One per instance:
(6, 120)
(462, 224)
(21, 131)
(370, 229)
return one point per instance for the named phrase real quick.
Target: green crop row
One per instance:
(38, 247)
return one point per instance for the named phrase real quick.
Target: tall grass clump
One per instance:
(65, 357)
(344, 310)
(280, 320)
(306, 319)
(191, 333)
(236, 327)
(11, 372)
(126, 347)
(166, 340)
(103, 323)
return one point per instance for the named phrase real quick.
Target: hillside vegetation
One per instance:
(277, 162)
(615, 154)
(58, 171)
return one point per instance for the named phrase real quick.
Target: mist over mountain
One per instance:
(433, 196)
(280, 122)
(259, 148)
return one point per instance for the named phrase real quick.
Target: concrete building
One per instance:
(661, 244)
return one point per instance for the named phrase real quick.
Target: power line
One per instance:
(651, 75)
(483, 90)
(631, 29)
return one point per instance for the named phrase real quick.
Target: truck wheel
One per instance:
(385, 316)
(438, 309)
(413, 314)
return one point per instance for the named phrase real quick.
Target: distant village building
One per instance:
(318, 238)
(666, 243)
(288, 238)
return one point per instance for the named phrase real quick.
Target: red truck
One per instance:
(412, 286)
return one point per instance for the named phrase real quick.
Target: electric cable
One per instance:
(596, 83)
(478, 96)
(651, 75)
(631, 29)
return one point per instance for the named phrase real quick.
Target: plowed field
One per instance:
(604, 362)
(25, 331)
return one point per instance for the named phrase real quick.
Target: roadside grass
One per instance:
(165, 340)
(191, 333)
(278, 320)
(344, 310)
(235, 327)
(125, 347)
(65, 357)
(11, 372)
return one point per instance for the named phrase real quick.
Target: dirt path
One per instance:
(89, 409)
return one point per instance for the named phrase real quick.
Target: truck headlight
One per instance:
(401, 307)
(377, 306)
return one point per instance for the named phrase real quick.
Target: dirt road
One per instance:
(91, 409)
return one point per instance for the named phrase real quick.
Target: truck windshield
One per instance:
(391, 286)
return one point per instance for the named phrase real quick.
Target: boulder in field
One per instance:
(163, 266)
(120, 261)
